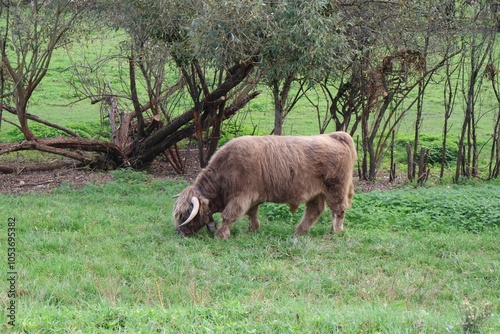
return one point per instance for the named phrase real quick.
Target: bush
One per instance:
(437, 209)
(433, 143)
(233, 130)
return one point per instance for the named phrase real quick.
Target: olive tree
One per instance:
(221, 51)
(212, 72)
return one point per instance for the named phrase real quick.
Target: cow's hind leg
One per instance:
(338, 205)
(314, 209)
(233, 211)
(338, 222)
(338, 201)
(253, 220)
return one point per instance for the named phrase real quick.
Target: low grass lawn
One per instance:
(106, 259)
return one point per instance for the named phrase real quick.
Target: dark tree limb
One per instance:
(41, 121)
(148, 153)
(34, 145)
(135, 99)
(68, 147)
(39, 167)
(143, 151)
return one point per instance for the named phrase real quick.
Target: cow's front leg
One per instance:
(224, 231)
(212, 225)
(339, 199)
(314, 209)
(253, 220)
(233, 211)
(338, 207)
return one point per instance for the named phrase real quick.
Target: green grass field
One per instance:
(106, 259)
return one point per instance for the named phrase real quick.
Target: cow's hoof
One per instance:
(223, 233)
(253, 228)
(299, 231)
(337, 234)
(338, 229)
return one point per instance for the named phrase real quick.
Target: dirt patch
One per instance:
(45, 181)
(24, 180)
(380, 184)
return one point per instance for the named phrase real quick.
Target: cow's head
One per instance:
(191, 212)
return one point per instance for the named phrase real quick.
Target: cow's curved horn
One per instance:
(194, 212)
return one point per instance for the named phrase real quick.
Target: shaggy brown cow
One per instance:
(248, 171)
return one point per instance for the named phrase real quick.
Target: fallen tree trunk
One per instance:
(39, 167)
(74, 148)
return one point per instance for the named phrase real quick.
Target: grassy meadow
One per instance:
(106, 259)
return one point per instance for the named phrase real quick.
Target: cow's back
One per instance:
(287, 169)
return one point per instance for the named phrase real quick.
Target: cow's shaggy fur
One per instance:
(248, 171)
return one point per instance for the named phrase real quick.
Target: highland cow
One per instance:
(248, 171)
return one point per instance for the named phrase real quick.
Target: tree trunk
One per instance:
(409, 156)
(280, 98)
(418, 122)
(494, 164)
(278, 111)
(122, 152)
(145, 151)
(449, 101)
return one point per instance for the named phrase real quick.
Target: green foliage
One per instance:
(435, 145)
(305, 38)
(233, 130)
(282, 213)
(437, 209)
(106, 258)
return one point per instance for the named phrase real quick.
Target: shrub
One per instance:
(437, 209)
(474, 317)
(433, 143)
(233, 130)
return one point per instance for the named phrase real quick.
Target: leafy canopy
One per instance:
(283, 36)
